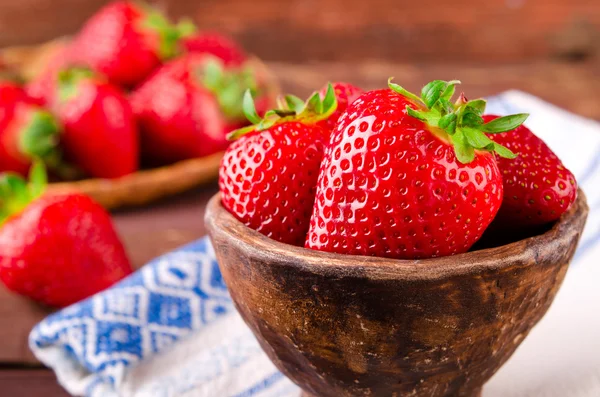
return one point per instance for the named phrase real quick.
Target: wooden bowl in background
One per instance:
(141, 187)
(341, 325)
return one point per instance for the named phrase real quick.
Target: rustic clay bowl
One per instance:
(341, 325)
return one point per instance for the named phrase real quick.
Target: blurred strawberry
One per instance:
(216, 44)
(26, 131)
(100, 135)
(56, 249)
(187, 107)
(345, 93)
(125, 41)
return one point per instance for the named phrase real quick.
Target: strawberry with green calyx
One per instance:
(27, 131)
(461, 121)
(126, 41)
(100, 134)
(186, 108)
(407, 177)
(55, 249)
(268, 175)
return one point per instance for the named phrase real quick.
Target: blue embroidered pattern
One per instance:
(174, 295)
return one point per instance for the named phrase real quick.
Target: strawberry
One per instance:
(187, 107)
(100, 134)
(408, 177)
(538, 188)
(56, 249)
(345, 94)
(125, 41)
(216, 44)
(268, 176)
(26, 131)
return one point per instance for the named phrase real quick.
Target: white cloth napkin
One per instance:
(170, 330)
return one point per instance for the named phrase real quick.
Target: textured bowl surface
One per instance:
(341, 325)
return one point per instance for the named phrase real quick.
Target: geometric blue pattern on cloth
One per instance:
(174, 295)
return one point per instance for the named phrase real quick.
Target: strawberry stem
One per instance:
(314, 109)
(228, 85)
(169, 35)
(462, 120)
(16, 193)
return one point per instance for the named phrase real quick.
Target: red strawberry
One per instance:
(188, 106)
(537, 187)
(401, 177)
(125, 41)
(268, 176)
(26, 131)
(56, 249)
(100, 134)
(216, 44)
(345, 93)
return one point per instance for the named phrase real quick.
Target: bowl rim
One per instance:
(224, 226)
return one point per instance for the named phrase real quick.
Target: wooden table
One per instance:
(150, 231)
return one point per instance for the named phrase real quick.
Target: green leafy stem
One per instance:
(290, 108)
(461, 120)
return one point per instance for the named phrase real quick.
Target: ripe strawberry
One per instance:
(26, 131)
(268, 176)
(100, 134)
(125, 41)
(216, 44)
(537, 187)
(56, 249)
(408, 177)
(345, 93)
(187, 107)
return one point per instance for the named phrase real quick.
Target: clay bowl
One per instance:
(341, 325)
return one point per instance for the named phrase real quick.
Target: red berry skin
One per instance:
(267, 179)
(115, 43)
(216, 44)
(538, 188)
(345, 94)
(16, 111)
(100, 134)
(60, 250)
(389, 187)
(179, 119)
(12, 120)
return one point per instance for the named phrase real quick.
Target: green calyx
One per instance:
(40, 138)
(228, 86)
(291, 108)
(69, 79)
(16, 193)
(461, 120)
(169, 34)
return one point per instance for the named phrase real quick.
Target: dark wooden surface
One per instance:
(150, 231)
(398, 30)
